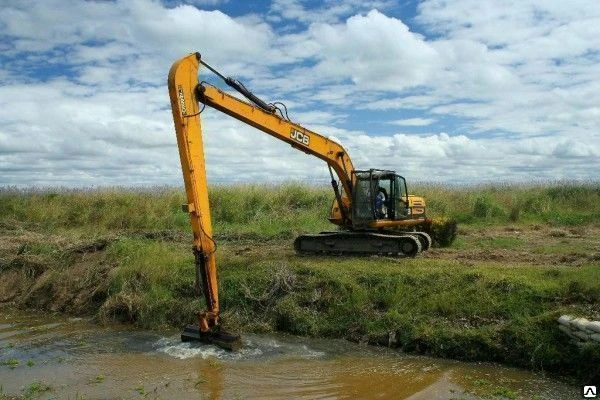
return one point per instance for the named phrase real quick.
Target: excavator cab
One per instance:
(378, 195)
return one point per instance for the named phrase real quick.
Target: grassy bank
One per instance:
(525, 255)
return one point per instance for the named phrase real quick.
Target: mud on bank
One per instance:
(494, 296)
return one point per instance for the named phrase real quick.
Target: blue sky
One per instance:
(459, 91)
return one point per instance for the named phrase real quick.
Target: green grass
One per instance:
(566, 204)
(282, 211)
(35, 388)
(263, 210)
(98, 379)
(12, 363)
(151, 276)
(141, 390)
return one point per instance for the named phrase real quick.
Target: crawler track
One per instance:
(407, 244)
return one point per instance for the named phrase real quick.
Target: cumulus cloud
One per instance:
(374, 51)
(504, 90)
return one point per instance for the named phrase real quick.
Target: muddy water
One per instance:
(73, 359)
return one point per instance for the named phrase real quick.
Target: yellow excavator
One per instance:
(372, 208)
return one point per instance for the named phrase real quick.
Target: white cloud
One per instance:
(330, 11)
(413, 122)
(374, 51)
(515, 85)
(208, 2)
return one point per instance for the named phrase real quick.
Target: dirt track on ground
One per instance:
(516, 246)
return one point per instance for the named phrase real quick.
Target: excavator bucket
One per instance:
(215, 336)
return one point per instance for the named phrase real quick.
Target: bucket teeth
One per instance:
(215, 336)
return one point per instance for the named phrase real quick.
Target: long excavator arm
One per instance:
(182, 82)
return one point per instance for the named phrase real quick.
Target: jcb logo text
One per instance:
(181, 100)
(300, 137)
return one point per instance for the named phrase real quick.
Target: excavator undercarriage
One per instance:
(407, 244)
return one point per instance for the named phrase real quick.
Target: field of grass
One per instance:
(524, 256)
(270, 211)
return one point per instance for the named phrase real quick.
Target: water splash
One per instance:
(253, 348)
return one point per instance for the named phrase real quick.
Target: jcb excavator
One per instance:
(373, 209)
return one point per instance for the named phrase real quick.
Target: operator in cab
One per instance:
(381, 203)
